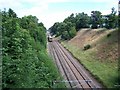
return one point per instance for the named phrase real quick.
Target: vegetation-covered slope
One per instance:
(104, 41)
(101, 59)
(25, 60)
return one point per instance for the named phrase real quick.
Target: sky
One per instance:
(50, 11)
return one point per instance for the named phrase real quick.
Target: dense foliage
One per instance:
(25, 60)
(68, 28)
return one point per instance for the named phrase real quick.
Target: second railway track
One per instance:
(74, 75)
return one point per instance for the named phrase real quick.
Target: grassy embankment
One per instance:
(101, 58)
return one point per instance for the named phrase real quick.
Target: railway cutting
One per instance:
(74, 74)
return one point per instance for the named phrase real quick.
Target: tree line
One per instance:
(26, 63)
(73, 23)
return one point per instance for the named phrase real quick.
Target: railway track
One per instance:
(75, 76)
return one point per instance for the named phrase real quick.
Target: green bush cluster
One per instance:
(64, 29)
(108, 35)
(86, 47)
(25, 60)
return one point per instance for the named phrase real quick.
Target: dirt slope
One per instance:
(103, 42)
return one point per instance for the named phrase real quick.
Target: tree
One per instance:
(65, 29)
(55, 29)
(111, 19)
(70, 18)
(82, 21)
(12, 13)
(25, 60)
(96, 19)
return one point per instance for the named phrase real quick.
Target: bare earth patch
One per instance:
(104, 47)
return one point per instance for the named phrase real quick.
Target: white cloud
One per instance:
(39, 8)
(9, 3)
(50, 19)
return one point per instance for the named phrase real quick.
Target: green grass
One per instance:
(105, 72)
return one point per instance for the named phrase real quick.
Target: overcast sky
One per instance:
(51, 11)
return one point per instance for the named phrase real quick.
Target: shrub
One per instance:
(26, 63)
(72, 32)
(108, 35)
(86, 47)
(65, 35)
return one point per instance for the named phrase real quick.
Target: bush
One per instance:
(65, 35)
(72, 32)
(108, 35)
(86, 47)
(26, 63)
